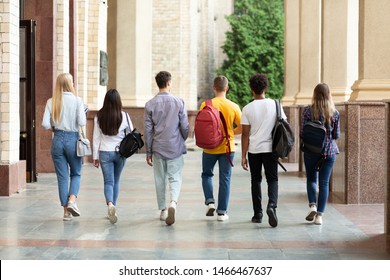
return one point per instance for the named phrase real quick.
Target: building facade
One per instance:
(104, 44)
(122, 44)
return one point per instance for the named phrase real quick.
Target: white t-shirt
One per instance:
(261, 116)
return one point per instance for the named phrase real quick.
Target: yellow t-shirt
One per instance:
(232, 114)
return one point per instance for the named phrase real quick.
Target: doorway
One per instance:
(27, 149)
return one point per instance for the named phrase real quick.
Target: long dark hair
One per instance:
(110, 115)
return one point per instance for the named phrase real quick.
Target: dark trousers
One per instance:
(256, 162)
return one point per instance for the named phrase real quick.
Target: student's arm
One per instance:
(237, 121)
(244, 145)
(238, 129)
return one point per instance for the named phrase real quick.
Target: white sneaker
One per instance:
(73, 209)
(210, 209)
(223, 217)
(67, 216)
(112, 214)
(312, 213)
(318, 220)
(163, 215)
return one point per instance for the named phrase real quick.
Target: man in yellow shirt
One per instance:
(232, 114)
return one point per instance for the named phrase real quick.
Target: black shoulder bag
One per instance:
(131, 143)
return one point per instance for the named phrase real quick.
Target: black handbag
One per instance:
(131, 143)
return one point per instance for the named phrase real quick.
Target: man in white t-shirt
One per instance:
(258, 120)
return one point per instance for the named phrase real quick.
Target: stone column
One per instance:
(130, 50)
(310, 49)
(62, 36)
(387, 168)
(82, 49)
(340, 46)
(364, 152)
(374, 47)
(97, 41)
(291, 53)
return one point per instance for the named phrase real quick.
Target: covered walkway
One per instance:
(32, 226)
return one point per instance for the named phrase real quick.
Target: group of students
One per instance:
(166, 130)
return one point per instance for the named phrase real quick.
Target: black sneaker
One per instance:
(257, 218)
(272, 219)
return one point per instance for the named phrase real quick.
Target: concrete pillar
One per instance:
(310, 49)
(82, 49)
(387, 168)
(130, 50)
(291, 53)
(374, 47)
(340, 46)
(62, 36)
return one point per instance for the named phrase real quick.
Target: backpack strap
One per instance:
(227, 138)
(278, 110)
(278, 118)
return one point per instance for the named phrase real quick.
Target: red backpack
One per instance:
(210, 128)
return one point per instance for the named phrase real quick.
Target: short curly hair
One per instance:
(258, 83)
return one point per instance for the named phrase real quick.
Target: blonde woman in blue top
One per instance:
(322, 109)
(64, 114)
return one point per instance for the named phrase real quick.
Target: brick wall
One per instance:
(9, 81)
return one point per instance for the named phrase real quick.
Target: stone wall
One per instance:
(12, 170)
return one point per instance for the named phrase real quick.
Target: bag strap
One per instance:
(278, 117)
(227, 138)
(128, 122)
(278, 110)
(81, 132)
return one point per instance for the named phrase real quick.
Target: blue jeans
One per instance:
(256, 162)
(63, 153)
(167, 171)
(322, 176)
(225, 172)
(112, 165)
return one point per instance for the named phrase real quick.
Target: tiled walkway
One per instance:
(32, 226)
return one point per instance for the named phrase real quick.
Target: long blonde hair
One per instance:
(64, 83)
(322, 103)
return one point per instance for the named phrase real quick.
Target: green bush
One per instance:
(255, 44)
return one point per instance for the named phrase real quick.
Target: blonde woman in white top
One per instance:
(64, 114)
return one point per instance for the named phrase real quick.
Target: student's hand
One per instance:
(244, 163)
(96, 163)
(149, 160)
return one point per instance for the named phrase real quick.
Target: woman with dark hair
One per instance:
(110, 125)
(322, 109)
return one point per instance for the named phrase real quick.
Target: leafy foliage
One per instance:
(255, 44)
